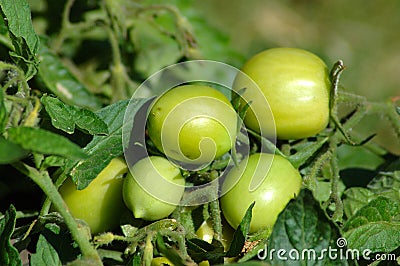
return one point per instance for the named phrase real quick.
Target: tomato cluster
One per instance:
(197, 124)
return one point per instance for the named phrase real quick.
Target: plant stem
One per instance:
(43, 180)
(47, 202)
(338, 214)
(216, 219)
(65, 26)
(184, 217)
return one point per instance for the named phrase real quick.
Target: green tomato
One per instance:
(100, 204)
(296, 85)
(206, 232)
(274, 188)
(153, 188)
(193, 124)
(160, 261)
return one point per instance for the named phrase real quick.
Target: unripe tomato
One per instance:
(296, 85)
(160, 261)
(100, 204)
(153, 188)
(272, 191)
(193, 124)
(206, 232)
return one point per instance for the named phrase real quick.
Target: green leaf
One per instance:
(376, 226)
(108, 254)
(323, 189)
(3, 113)
(136, 260)
(302, 228)
(8, 254)
(386, 184)
(303, 155)
(239, 237)
(60, 81)
(10, 152)
(65, 117)
(53, 161)
(356, 198)
(103, 148)
(45, 254)
(170, 253)
(17, 16)
(200, 250)
(358, 157)
(45, 142)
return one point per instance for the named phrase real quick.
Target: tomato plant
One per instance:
(151, 173)
(100, 204)
(278, 185)
(296, 85)
(83, 86)
(194, 124)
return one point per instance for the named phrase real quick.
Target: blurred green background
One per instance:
(364, 34)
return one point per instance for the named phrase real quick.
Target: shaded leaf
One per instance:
(8, 254)
(60, 81)
(200, 250)
(356, 198)
(302, 228)
(65, 117)
(45, 254)
(53, 161)
(358, 157)
(239, 237)
(10, 152)
(375, 226)
(45, 142)
(387, 185)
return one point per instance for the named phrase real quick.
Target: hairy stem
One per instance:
(335, 197)
(216, 219)
(43, 180)
(47, 202)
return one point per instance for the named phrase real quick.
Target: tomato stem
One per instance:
(185, 218)
(47, 202)
(43, 180)
(335, 197)
(215, 213)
